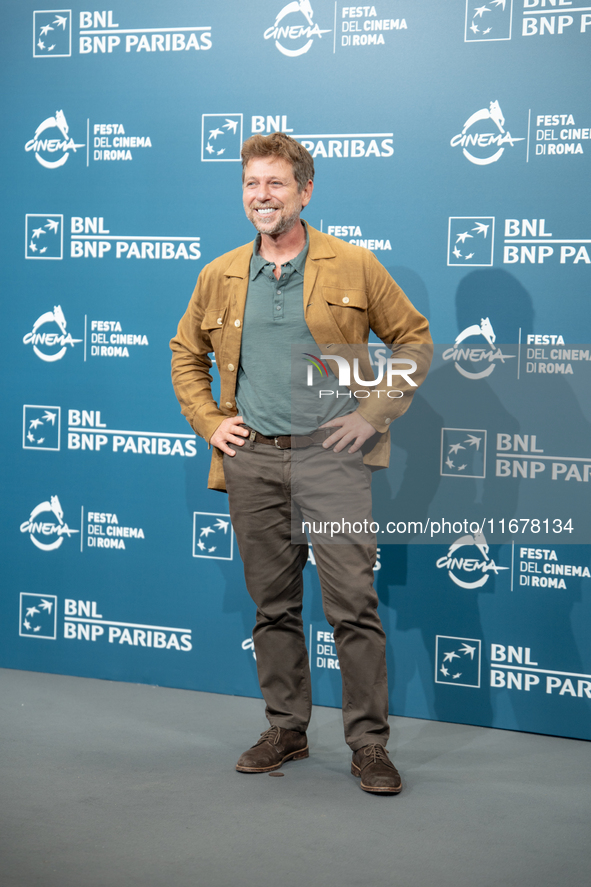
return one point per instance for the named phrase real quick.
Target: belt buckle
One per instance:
(276, 442)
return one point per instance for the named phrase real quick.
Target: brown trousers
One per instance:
(270, 492)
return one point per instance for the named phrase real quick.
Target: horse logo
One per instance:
(41, 340)
(497, 139)
(41, 146)
(484, 329)
(493, 112)
(474, 354)
(302, 6)
(281, 31)
(58, 121)
(44, 529)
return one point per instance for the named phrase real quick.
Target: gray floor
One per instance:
(121, 784)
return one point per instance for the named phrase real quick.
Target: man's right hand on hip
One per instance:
(230, 431)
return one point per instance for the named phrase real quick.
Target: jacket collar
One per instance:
(320, 246)
(240, 264)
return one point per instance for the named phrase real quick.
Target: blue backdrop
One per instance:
(452, 139)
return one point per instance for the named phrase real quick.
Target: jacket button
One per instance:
(219, 319)
(346, 300)
(231, 367)
(236, 323)
(229, 405)
(387, 421)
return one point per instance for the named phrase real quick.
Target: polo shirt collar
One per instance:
(257, 262)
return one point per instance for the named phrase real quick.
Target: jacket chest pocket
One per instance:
(213, 323)
(348, 308)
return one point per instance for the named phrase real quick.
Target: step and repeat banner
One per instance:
(451, 139)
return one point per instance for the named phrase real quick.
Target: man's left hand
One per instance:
(352, 428)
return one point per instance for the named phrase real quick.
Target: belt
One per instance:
(291, 442)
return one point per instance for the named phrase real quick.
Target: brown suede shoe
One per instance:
(377, 772)
(274, 748)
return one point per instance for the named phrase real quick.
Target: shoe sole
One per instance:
(356, 771)
(294, 756)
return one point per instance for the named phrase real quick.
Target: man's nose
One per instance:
(263, 192)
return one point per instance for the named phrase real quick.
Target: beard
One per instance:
(284, 223)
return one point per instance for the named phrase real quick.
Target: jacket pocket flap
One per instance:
(344, 298)
(213, 318)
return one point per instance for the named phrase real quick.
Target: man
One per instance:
(297, 286)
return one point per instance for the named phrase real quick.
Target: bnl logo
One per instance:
(470, 241)
(489, 20)
(41, 427)
(221, 137)
(463, 452)
(457, 661)
(38, 616)
(52, 33)
(44, 236)
(213, 536)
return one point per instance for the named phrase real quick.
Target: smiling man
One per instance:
(297, 286)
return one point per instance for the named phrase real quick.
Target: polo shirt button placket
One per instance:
(278, 304)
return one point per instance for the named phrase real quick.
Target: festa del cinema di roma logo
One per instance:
(459, 567)
(289, 27)
(46, 341)
(474, 354)
(39, 530)
(486, 147)
(51, 144)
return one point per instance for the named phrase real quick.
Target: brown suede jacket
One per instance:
(347, 292)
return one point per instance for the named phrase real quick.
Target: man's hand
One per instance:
(230, 431)
(352, 427)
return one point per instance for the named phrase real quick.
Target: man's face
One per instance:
(272, 199)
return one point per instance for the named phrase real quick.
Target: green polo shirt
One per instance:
(272, 390)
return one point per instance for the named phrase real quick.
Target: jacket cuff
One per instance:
(206, 421)
(380, 418)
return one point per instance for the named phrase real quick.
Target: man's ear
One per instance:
(306, 194)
